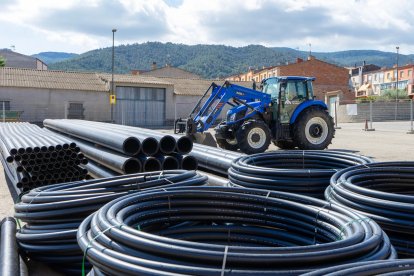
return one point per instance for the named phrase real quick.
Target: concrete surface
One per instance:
(389, 142)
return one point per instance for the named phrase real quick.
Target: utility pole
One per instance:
(396, 86)
(113, 66)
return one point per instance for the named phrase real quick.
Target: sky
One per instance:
(78, 26)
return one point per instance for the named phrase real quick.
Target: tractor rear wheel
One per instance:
(283, 144)
(313, 130)
(227, 144)
(253, 137)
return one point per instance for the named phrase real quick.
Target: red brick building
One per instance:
(331, 84)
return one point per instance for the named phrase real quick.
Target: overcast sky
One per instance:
(77, 26)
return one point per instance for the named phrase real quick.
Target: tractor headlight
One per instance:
(232, 117)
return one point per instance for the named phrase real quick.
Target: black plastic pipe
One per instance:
(184, 144)
(108, 138)
(149, 163)
(113, 160)
(97, 171)
(296, 171)
(383, 192)
(225, 231)
(9, 256)
(168, 162)
(53, 213)
(383, 267)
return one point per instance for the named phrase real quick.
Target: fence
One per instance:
(373, 111)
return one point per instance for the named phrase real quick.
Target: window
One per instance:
(375, 77)
(5, 104)
(410, 73)
(402, 74)
(388, 75)
(75, 111)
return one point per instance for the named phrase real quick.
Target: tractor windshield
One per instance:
(271, 86)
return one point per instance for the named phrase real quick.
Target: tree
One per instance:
(2, 61)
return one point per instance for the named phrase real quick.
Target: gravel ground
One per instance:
(389, 142)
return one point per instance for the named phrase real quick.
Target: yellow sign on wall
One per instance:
(112, 99)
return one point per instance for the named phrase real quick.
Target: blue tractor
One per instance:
(284, 112)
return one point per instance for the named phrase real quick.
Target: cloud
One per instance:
(131, 21)
(328, 25)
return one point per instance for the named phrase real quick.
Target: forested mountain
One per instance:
(212, 61)
(53, 57)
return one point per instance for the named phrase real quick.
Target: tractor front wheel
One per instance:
(253, 137)
(313, 130)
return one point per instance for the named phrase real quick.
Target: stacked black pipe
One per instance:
(33, 156)
(10, 262)
(226, 231)
(53, 213)
(212, 159)
(371, 268)
(117, 149)
(383, 192)
(295, 171)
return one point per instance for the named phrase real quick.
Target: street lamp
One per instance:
(398, 48)
(113, 65)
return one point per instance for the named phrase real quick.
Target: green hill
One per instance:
(53, 57)
(212, 61)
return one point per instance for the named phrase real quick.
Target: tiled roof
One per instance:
(46, 79)
(133, 79)
(171, 72)
(196, 87)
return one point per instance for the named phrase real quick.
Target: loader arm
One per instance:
(221, 96)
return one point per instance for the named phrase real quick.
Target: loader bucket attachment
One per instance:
(204, 138)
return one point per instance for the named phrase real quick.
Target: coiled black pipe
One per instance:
(225, 231)
(384, 267)
(384, 192)
(296, 171)
(9, 255)
(52, 214)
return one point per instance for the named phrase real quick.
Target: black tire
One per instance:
(253, 137)
(313, 130)
(283, 144)
(228, 144)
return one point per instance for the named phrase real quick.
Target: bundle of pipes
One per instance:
(226, 231)
(117, 149)
(383, 192)
(10, 262)
(53, 213)
(34, 157)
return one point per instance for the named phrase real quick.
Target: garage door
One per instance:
(140, 106)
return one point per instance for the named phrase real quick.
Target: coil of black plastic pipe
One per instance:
(383, 267)
(52, 214)
(295, 171)
(226, 231)
(384, 192)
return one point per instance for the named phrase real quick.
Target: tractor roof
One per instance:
(300, 78)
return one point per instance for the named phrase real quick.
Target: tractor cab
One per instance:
(286, 94)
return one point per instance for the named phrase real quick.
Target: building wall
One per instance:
(169, 92)
(328, 77)
(39, 104)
